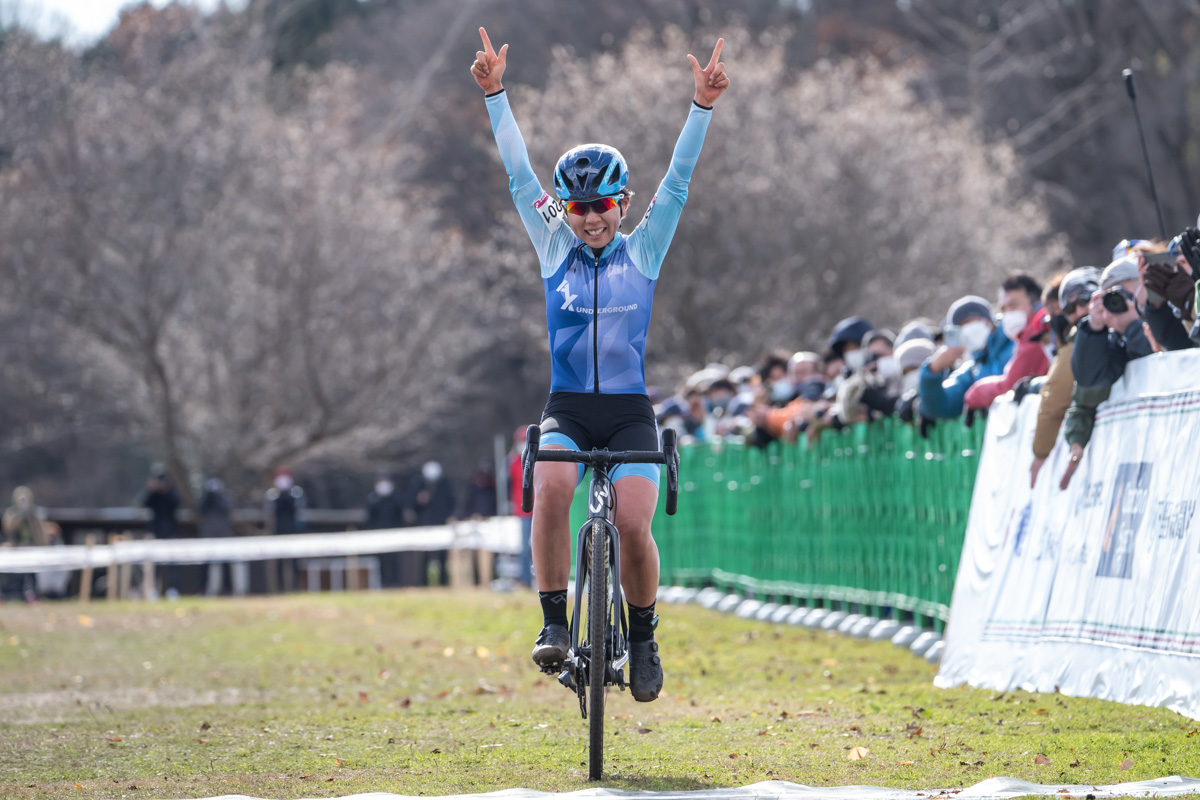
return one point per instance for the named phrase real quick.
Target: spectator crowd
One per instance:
(1068, 339)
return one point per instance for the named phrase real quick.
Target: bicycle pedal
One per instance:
(621, 679)
(551, 669)
(565, 679)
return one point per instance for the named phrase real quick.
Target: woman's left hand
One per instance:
(711, 81)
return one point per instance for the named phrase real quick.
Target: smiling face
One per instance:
(597, 229)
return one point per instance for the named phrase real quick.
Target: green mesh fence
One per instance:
(872, 517)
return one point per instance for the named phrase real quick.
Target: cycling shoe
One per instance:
(645, 671)
(550, 649)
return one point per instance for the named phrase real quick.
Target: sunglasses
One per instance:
(601, 204)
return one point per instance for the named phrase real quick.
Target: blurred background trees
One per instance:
(283, 234)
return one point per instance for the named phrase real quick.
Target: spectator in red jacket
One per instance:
(1024, 320)
(514, 500)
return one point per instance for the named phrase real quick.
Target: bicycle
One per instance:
(599, 645)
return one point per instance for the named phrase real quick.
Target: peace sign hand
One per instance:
(711, 82)
(488, 67)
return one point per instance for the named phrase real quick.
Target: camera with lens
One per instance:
(1117, 299)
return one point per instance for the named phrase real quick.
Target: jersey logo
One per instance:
(568, 298)
(551, 211)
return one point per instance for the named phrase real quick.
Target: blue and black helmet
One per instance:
(590, 170)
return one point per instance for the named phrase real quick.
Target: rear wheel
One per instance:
(597, 640)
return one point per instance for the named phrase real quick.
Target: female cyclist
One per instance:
(599, 287)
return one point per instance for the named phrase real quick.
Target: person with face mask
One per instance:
(972, 338)
(433, 500)
(1023, 320)
(1074, 294)
(283, 513)
(385, 511)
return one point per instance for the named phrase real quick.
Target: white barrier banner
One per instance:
(498, 534)
(1094, 591)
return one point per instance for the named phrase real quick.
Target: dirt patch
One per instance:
(68, 704)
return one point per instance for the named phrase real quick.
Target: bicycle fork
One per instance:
(574, 675)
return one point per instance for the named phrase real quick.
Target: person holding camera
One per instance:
(1170, 276)
(1107, 339)
(1112, 334)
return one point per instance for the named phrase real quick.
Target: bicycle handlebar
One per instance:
(669, 456)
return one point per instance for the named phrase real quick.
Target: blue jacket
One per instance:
(942, 392)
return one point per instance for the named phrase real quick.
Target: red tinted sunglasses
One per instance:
(601, 204)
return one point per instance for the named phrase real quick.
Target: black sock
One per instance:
(641, 623)
(554, 607)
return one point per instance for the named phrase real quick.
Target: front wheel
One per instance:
(597, 639)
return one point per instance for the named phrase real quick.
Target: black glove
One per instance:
(1021, 388)
(1189, 245)
(924, 424)
(1168, 282)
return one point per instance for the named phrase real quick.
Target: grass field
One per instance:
(432, 693)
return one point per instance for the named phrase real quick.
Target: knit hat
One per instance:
(916, 329)
(1119, 271)
(1078, 286)
(966, 307)
(913, 353)
(851, 329)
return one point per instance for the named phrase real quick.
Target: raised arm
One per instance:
(650, 240)
(541, 212)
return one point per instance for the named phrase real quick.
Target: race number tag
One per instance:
(551, 210)
(649, 208)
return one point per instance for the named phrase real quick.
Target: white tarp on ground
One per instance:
(1094, 591)
(498, 535)
(782, 790)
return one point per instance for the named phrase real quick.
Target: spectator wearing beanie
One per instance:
(985, 351)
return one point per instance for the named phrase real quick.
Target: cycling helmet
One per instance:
(590, 170)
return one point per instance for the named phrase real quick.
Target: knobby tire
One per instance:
(598, 641)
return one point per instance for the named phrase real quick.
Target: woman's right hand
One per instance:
(488, 67)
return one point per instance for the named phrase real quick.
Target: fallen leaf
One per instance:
(1041, 760)
(906, 763)
(85, 620)
(406, 702)
(1126, 764)
(305, 777)
(436, 750)
(733, 755)
(205, 726)
(1041, 711)
(338, 762)
(999, 696)
(204, 741)
(113, 738)
(858, 753)
(363, 698)
(384, 674)
(644, 730)
(1074, 763)
(1193, 732)
(716, 719)
(79, 786)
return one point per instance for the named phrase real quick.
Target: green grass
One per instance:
(425, 692)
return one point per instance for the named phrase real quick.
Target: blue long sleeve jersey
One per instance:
(597, 304)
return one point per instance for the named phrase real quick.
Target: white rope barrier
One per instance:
(496, 535)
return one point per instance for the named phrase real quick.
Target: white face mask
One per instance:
(283, 483)
(887, 367)
(1013, 322)
(383, 488)
(854, 359)
(975, 336)
(910, 381)
(432, 471)
(781, 389)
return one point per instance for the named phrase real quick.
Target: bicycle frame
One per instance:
(601, 493)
